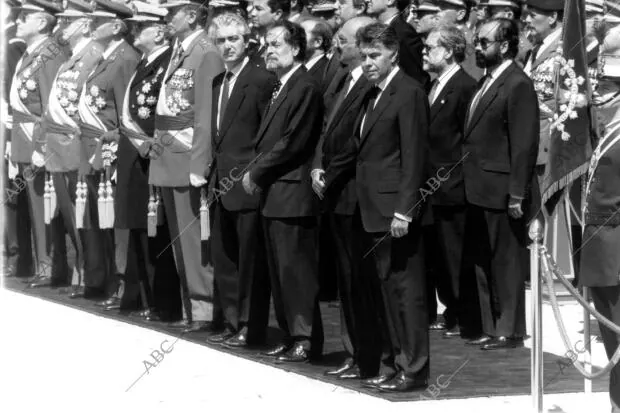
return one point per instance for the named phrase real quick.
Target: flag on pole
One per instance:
(570, 145)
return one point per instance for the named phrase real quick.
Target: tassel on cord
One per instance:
(109, 199)
(151, 219)
(159, 205)
(101, 212)
(205, 225)
(47, 210)
(80, 203)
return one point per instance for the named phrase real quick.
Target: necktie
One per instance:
(276, 88)
(372, 94)
(476, 101)
(431, 95)
(225, 93)
(341, 96)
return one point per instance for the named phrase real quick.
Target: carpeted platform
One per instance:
(457, 370)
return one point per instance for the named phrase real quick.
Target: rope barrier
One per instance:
(548, 267)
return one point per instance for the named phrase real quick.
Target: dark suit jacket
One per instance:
(410, 54)
(341, 197)
(286, 140)
(390, 154)
(446, 138)
(234, 146)
(318, 72)
(132, 189)
(331, 68)
(501, 142)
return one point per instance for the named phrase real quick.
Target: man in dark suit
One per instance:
(240, 96)
(147, 258)
(349, 89)
(58, 147)
(319, 38)
(28, 99)
(285, 143)
(388, 150)
(449, 99)
(390, 12)
(182, 162)
(16, 231)
(499, 151)
(265, 13)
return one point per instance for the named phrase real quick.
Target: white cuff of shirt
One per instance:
(403, 217)
(312, 172)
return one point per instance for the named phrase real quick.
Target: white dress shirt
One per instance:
(444, 79)
(231, 84)
(313, 61)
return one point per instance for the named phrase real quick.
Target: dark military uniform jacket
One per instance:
(29, 94)
(59, 140)
(101, 104)
(137, 127)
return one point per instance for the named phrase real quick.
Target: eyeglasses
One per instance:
(484, 43)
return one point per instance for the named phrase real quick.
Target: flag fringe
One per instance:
(565, 181)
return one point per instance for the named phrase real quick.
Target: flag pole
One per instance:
(536, 232)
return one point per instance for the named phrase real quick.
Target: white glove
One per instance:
(13, 170)
(38, 160)
(7, 151)
(197, 180)
(113, 178)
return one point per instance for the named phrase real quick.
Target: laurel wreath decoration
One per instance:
(572, 82)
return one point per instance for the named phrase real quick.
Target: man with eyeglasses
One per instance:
(240, 96)
(449, 100)
(499, 151)
(543, 19)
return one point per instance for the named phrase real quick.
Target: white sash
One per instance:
(89, 117)
(126, 119)
(55, 110)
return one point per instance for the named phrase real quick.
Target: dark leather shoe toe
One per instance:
(181, 324)
(41, 282)
(353, 373)
(297, 354)
(347, 365)
(401, 384)
(479, 341)
(197, 326)
(220, 337)
(107, 302)
(502, 342)
(239, 340)
(77, 292)
(453, 332)
(375, 381)
(115, 306)
(276, 350)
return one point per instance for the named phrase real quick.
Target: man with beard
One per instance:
(240, 96)
(410, 42)
(511, 9)
(58, 147)
(265, 13)
(449, 100)
(28, 97)
(500, 144)
(356, 310)
(148, 256)
(285, 144)
(544, 23)
(181, 161)
(99, 108)
(456, 12)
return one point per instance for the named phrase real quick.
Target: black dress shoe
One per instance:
(483, 339)
(353, 373)
(196, 326)
(152, 316)
(347, 365)
(76, 292)
(277, 350)
(375, 381)
(41, 282)
(437, 325)
(401, 383)
(181, 324)
(453, 332)
(239, 340)
(114, 306)
(297, 354)
(220, 337)
(107, 302)
(502, 342)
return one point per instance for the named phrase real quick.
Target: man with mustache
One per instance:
(59, 149)
(240, 96)
(263, 14)
(285, 141)
(499, 150)
(28, 99)
(181, 160)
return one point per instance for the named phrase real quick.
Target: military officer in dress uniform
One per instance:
(99, 109)
(544, 21)
(58, 147)
(16, 223)
(136, 203)
(28, 98)
(182, 163)
(600, 261)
